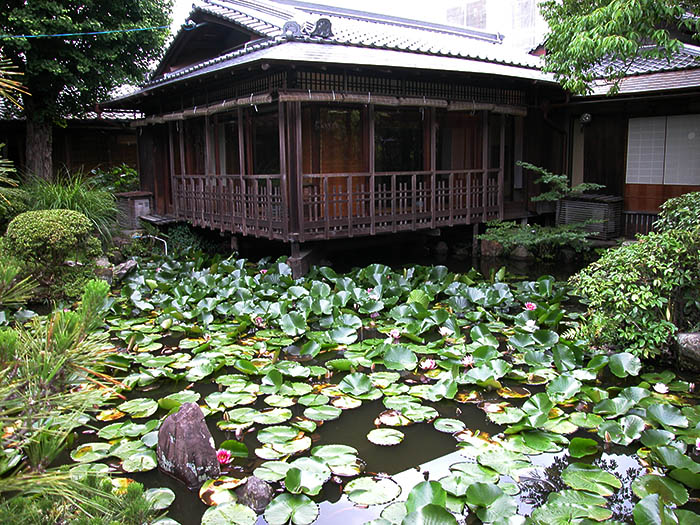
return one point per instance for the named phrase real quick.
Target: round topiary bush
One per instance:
(56, 247)
(49, 237)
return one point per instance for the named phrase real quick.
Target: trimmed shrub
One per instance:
(640, 294)
(680, 213)
(44, 240)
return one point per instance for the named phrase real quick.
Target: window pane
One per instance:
(682, 164)
(266, 143)
(194, 146)
(226, 140)
(399, 140)
(645, 150)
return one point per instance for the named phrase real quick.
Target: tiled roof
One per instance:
(688, 57)
(352, 29)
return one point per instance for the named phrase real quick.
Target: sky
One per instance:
(431, 11)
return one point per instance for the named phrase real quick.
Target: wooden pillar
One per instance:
(501, 166)
(370, 138)
(173, 183)
(484, 163)
(241, 170)
(433, 164)
(297, 186)
(281, 121)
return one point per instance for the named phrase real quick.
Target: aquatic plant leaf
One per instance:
(482, 494)
(613, 407)
(581, 476)
(476, 472)
(297, 508)
(667, 415)
(139, 408)
(545, 338)
(89, 452)
(653, 437)
(346, 402)
(277, 434)
(500, 509)
(503, 461)
(399, 358)
(506, 416)
(425, 493)
(372, 490)
(272, 471)
(686, 517)
(278, 401)
(293, 324)
(236, 448)
(355, 384)
(482, 335)
(623, 431)
(562, 388)
(448, 425)
(652, 511)
(456, 483)
(581, 447)
(419, 413)
(671, 492)
(585, 419)
(312, 400)
(393, 418)
(393, 514)
(343, 335)
(624, 364)
(229, 514)
(173, 401)
(385, 436)
(220, 490)
(111, 414)
(140, 462)
(568, 505)
(322, 413)
(430, 515)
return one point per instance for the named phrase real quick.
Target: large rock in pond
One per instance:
(186, 448)
(688, 351)
(255, 493)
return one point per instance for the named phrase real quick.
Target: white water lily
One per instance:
(661, 388)
(444, 331)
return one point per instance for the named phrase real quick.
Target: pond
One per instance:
(415, 395)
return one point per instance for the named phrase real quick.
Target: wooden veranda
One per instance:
(292, 205)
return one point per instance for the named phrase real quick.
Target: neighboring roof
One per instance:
(646, 74)
(352, 30)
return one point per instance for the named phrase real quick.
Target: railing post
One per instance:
(433, 165)
(173, 189)
(372, 196)
(283, 169)
(349, 196)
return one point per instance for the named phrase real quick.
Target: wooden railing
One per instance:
(356, 204)
(339, 205)
(249, 205)
(637, 222)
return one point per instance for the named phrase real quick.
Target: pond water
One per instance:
(476, 375)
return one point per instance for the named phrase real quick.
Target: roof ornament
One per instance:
(323, 28)
(291, 28)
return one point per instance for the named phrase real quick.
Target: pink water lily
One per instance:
(374, 315)
(259, 322)
(263, 271)
(445, 331)
(395, 334)
(223, 456)
(697, 444)
(530, 306)
(468, 360)
(428, 364)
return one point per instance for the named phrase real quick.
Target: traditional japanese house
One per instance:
(642, 143)
(296, 122)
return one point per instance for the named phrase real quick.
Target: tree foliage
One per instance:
(67, 76)
(592, 39)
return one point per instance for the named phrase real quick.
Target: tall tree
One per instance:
(591, 39)
(68, 75)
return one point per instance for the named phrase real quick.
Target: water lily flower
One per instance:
(428, 364)
(224, 456)
(697, 444)
(374, 315)
(530, 306)
(445, 331)
(263, 271)
(468, 360)
(530, 325)
(369, 290)
(395, 334)
(259, 322)
(661, 388)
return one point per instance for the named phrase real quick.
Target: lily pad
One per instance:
(139, 408)
(581, 476)
(385, 436)
(372, 490)
(297, 508)
(140, 462)
(229, 514)
(322, 413)
(449, 426)
(220, 490)
(90, 452)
